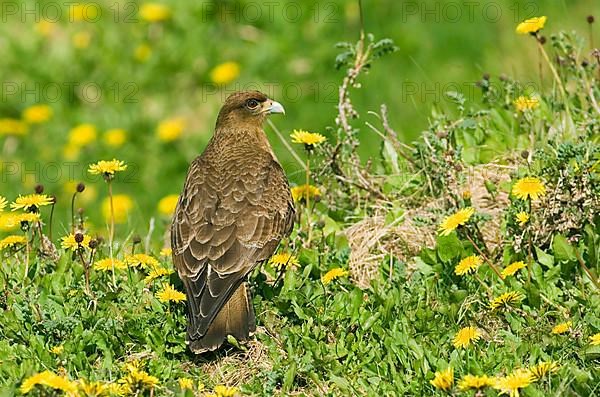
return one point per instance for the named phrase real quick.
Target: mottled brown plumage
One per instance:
(235, 208)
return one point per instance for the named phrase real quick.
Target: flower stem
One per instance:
(488, 289)
(286, 144)
(26, 259)
(51, 218)
(86, 268)
(112, 231)
(307, 197)
(72, 213)
(586, 269)
(484, 257)
(556, 78)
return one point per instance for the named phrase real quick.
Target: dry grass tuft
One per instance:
(371, 240)
(238, 367)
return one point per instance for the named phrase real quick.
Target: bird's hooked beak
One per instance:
(275, 107)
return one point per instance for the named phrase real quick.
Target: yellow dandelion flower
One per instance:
(523, 103)
(304, 192)
(71, 152)
(143, 260)
(122, 207)
(443, 380)
(31, 202)
(156, 273)
(453, 221)
(513, 268)
(523, 218)
(466, 195)
(283, 260)
(155, 12)
(506, 300)
(48, 379)
(93, 389)
(3, 203)
(170, 130)
(12, 241)
(57, 349)
(225, 391)
(473, 382)
(513, 382)
(118, 389)
(465, 336)
(529, 187)
(225, 73)
(137, 379)
(562, 328)
(9, 222)
(542, 369)
(37, 114)
(82, 135)
(166, 205)
(168, 294)
(167, 251)
(44, 27)
(142, 52)
(467, 265)
(186, 383)
(531, 25)
(307, 138)
(115, 137)
(83, 12)
(107, 168)
(333, 274)
(10, 126)
(69, 242)
(81, 40)
(108, 264)
(595, 339)
(28, 217)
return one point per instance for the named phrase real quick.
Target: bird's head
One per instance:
(247, 108)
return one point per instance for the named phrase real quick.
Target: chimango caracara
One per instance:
(235, 207)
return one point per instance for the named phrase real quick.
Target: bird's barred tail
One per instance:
(236, 318)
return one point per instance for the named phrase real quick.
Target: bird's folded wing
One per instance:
(225, 223)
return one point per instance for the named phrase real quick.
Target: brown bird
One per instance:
(235, 208)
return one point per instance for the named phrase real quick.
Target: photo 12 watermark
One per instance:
(53, 92)
(58, 172)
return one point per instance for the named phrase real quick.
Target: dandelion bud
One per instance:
(320, 224)
(542, 40)
(590, 19)
(80, 187)
(317, 199)
(78, 238)
(525, 154)
(39, 189)
(80, 211)
(584, 64)
(136, 240)
(486, 76)
(93, 243)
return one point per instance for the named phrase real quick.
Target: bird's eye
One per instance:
(252, 104)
